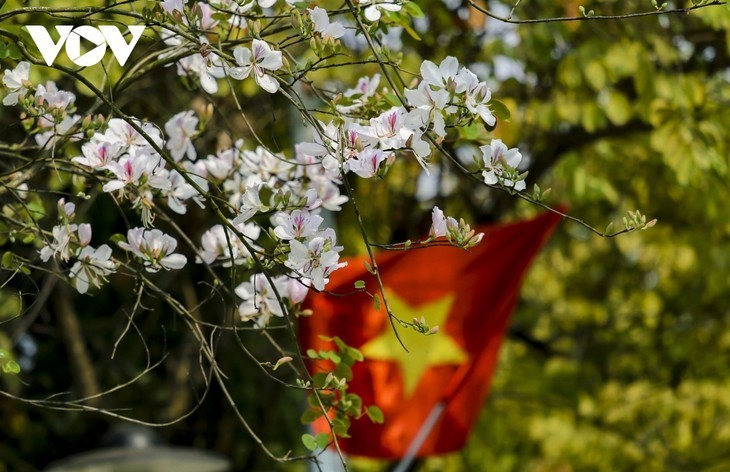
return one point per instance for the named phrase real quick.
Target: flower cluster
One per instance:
(261, 300)
(447, 96)
(92, 265)
(154, 248)
(220, 243)
(500, 165)
(52, 108)
(456, 232)
(144, 165)
(137, 171)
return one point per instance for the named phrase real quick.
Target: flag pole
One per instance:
(420, 437)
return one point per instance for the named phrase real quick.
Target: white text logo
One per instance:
(103, 36)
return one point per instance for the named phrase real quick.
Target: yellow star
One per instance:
(425, 351)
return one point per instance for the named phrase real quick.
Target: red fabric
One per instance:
(485, 283)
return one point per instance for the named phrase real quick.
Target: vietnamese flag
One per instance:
(469, 295)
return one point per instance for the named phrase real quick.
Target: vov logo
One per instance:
(102, 36)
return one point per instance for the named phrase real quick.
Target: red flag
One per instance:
(470, 295)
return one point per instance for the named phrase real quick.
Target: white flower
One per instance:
(128, 170)
(323, 26)
(259, 300)
(260, 61)
(61, 245)
(316, 258)
(84, 234)
(215, 243)
(500, 165)
(443, 75)
(440, 224)
(476, 95)
(53, 99)
(394, 130)
(180, 128)
(122, 133)
(180, 190)
(332, 199)
(298, 224)
(296, 289)
(155, 248)
(366, 164)
(250, 203)
(57, 131)
(92, 267)
(372, 12)
(16, 81)
(365, 88)
(67, 208)
(171, 6)
(97, 153)
(222, 164)
(428, 107)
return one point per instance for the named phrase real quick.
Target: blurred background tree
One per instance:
(617, 356)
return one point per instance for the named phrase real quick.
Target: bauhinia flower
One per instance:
(180, 128)
(61, 245)
(17, 83)
(123, 133)
(128, 170)
(92, 267)
(315, 258)
(367, 163)
(440, 223)
(372, 11)
(171, 6)
(155, 248)
(261, 61)
(476, 95)
(500, 165)
(98, 154)
(259, 299)
(323, 26)
(298, 224)
(220, 243)
(443, 75)
(250, 203)
(365, 88)
(428, 106)
(457, 232)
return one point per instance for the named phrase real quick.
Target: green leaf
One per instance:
(312, 354)
(309, 441)
(340, 343)
(320, 379)
(411, 32)
(359, 284)
(413, 10)
(343, 371)
(8, 261)
(340, 426)
(376, 302)
(311, 415)
(117, 238)
(356, 354)
(618, 108)
(499, 109)
(375, 414)
(322, 440)
(12, 367)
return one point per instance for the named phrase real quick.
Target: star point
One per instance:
(423, 351)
